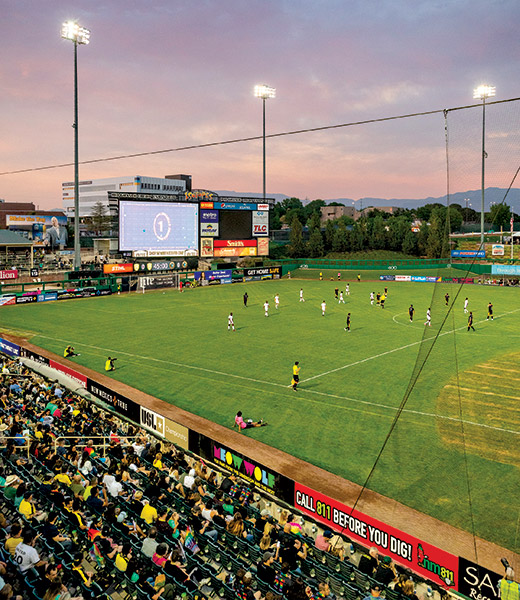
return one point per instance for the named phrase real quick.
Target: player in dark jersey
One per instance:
(245, 299)
(336, 292)
(411, 312)
(378, 298)
(470, 321)
(490, 312)
(347, 328)
(447, 298)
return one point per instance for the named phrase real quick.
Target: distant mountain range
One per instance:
(492, 195)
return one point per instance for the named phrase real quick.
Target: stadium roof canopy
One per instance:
(10, 239)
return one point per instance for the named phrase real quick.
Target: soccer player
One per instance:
(378, 298)
(372, 298)
(276, 301)
(336, 291)
(383, 298)
(341, 298)
(109, 364)
(339, 276)
(302, 299)
(321, 276)
(246, 297)
(266, 308)
(347, 289)
(466, 305)
(69, 351)
(490, 312)
(386, 291)
(347, 328)
(295, 375)
(359, 277)
(323, 308)
(470, 321)
(447, 298)
(428, 318)
(411, 312)
(230, 322)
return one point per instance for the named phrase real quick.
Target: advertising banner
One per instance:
(234, 244)
(248, 251)
(79, 377)
(478, 582)
(204, 204)
(263, 206)
(7, 300)
(403, 278)
(162, 265)
(429, 561)
(176, 433)
(9, 348)
(34, 356)
(497, 249)
(260, 223)
(234, 206)
(121, 404)
(263, 247)
(209, 216)
(468, 254)
(47, 296)
(42, 230)
(505, 269)
(387, 277)
(118, 268)
(209, 229)
(276, 272)
(26, 299)
(9, 274)
(153, 421)
(213, 275)
(158, 281)
(206, 247)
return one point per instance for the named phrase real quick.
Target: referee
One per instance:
(295, 375)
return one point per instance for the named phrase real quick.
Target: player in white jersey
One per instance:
(428, 318)
(371, 297)
(323, 308)
(466, 305)
(341, 299)
(266, 308)
(276, 301)
(347, 289)
(302, 299)
(230, 322)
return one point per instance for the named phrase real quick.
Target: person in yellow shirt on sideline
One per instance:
(69, 351)
(509, 588)
(109, 364)
(149, 512)
(27, 509)
(296, 375)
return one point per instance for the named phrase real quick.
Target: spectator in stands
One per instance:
(52, 534)
(174, 568)
(375, 592)
(385, 572)
(293, 552)
(292, 526)
(159, 557)
(368, 562)
(264, 570)
(236, 526)
(509, 588)
(12, 482)
(227, 483)
(409, 590)
(14, 538)
(95, 502)
(149, 512)
(25, 555)
(282, 580)
(42, 584)
(124, 558)
(84, 577)
(243, 586)
(337, 546)
(150, 543)
(322, 541)
(77, 487)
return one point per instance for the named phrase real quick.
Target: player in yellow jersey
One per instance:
(295, 375)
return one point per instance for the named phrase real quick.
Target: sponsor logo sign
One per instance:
(9, 348)
(82, 379)
(478, 582)
(47, 296)
(7, 300)
(263, 247)
(178, 434)
(205, 204)
(234, 206)
(427, 560)
(209, 229)
(9, 274)
(505, 269)
(121, 404)
(468, 253)
(260, 223)
(153, 420)
(387, 277)
(497, 249)
(403, 278)
(234, 251)
(34, 356)
(158, 281)
(212, 275)
(263, 206)
(118, 268)
(263, 271)
(234, 244)
(206, 247)
(209, 216)
(26, 299)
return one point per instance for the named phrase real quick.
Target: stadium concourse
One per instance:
(94, 507)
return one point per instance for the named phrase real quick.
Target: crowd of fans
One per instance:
(93, 506)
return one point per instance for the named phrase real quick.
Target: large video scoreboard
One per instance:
(198, 223)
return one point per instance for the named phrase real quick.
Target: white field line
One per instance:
(280, 385)
(363, 360)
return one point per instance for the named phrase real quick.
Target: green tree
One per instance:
(99, 219)
(500, 215)
(455, 218)
(359, 236)
(330, 229)
(398, 227)
(311, 208)
(422, 239)
(315, 246)
(435, 242)
(296, 243)
(314, 222)
(340, 242)
(378, 237)
(410, 245)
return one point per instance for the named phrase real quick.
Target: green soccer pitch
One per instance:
(461, 416)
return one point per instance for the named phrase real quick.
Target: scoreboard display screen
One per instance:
(235, 224)
(171, 227)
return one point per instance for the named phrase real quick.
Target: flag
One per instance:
(189, 542)
(96, 555)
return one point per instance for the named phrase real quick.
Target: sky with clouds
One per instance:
(172, 73)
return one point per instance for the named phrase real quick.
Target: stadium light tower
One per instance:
(77, 35)
(264, 92)
(481, 93)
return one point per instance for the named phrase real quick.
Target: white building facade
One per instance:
(96, 190)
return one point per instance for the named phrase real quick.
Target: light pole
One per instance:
(77, 35)
(264, 92)
(481, 93)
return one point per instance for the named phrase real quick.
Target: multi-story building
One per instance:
(96, 190)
